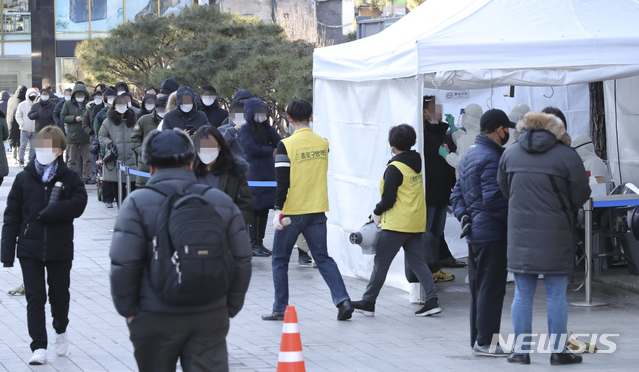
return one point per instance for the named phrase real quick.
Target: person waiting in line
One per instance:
(211, 107)
(231, 126)
(4, 132)
(151, 90)
(116, 132)
(42, 231)
(148, 105)
(542, 167)
(143, 127)
(131, 104)
(78, 138)
(186, 116)
(302, 196)
(27, 125)
(14, 126)
(216, 166)
(259, 141)
(42, 111)
(402, 214)
(482, 209)
(58, 108)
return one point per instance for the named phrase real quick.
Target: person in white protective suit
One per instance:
(586, 150)
(465, 139)
(517, 113)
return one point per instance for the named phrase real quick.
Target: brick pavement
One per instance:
(393, 340)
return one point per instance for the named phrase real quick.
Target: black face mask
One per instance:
(32, 98)
(505, 139)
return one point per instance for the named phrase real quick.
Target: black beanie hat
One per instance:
(168, 149)
(169, 86)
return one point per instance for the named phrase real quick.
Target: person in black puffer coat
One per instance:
(4, 97)
(42, 230)
(185, 116)
(211, 107)
(42, 111)
(14, 126)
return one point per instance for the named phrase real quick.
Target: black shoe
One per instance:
(265, 250)
(345, 310)
(303, 257)
(557, 359)
(431, 307)
(518, 358)
(366, 308)
(257, 251)
(273, 316)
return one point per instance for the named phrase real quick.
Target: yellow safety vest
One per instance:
(409, 212)
(308, 154)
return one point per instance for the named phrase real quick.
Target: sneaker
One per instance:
(519, 358)
(557, 359)
(21, 165)
(108, 205)
(431, 307)
(345, 310)
(61, 344)
(441, 276)
(486, 351)
(39, 357)
(366, 308)
(273, 316)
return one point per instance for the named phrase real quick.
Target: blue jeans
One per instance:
(525, 286)
(26, 137)
(313, 226)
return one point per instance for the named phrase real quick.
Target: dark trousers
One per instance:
(487, 279)
(387, 248)
(199, 340)
(58, 279)
(110, 191)
(257, 226)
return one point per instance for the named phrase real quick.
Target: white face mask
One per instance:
(79, 99)
(186, 108)
(110, 100)
(46, 156)
(120, 108)
(44, 98)
(161, 114)
(238, 119)
(120, 92)
(129, 104)
(67, 97)
(149, 106)
(208, 154)
(259, 118)
(97, 100)
(208, 100)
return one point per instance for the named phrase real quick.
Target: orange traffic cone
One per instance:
(291, 358)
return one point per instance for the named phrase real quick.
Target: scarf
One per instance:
(47, 172)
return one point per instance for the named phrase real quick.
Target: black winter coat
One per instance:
(179, 119)
(44, 234)
(12, 108)
(440, 176)
(4, 98)
(56, 112)
(42, 113)
(234, 184)
(215, 114)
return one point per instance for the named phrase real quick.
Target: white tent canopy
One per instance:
(468, 44)
(362, 88)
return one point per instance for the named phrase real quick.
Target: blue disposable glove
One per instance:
(443, 151)
(451, 122)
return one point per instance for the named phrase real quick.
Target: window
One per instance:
(9, 82)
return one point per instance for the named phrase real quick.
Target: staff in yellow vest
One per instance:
(301, 164)
(402, 213)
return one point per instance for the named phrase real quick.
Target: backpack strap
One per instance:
(198, 188)
(165, 190)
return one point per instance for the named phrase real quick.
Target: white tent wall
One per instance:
(355, 118)
(622, 128)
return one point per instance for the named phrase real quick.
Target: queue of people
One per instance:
(201, 158)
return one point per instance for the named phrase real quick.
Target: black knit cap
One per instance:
(169, 86)
(162, 101)
(168, 149)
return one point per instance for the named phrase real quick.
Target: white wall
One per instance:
(622, 128)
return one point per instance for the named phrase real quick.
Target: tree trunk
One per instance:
(598, 118)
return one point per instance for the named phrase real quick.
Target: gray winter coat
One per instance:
(116, 130)
(131, 249)
(546, 183)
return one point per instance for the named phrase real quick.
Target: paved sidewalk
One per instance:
(393, 340)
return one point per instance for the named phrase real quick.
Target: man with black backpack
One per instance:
(180, 262)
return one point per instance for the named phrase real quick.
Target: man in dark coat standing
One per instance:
(14, 126)
(58, 109)
(483, 211)
(42, 111)
(211, 106)
(186, 116)
(546, 184)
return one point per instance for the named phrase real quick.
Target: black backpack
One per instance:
(191, 263)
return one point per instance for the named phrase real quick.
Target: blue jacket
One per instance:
(259, 154)
(477, 193)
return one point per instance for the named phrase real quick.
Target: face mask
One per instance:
(67, 97)
(149, 106)
(186, 108)
(97, 100)
(259, 118)
(208, 154)
(161, 114)
(120, 92)
(79, 99)
(120, 108)
(45, 98)
(32, 98)
(238, 119)
(110, 101)
(504, 140)
(46, 156)
(129, 104)
(208, 100)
